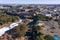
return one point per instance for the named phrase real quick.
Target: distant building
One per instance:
(26, 10)
(48, 14)
(40, 23)
(2, 7)
(56, 17)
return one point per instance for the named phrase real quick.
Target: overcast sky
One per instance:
(29, 1)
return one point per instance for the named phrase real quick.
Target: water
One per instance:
(56, 37)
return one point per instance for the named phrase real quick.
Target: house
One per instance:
(56, 17)
(48, 15)
(40, 23)
(26, 10)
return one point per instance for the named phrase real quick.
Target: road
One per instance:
(12, 25)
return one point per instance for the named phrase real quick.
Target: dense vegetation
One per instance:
(48, 37)
(21, 30)
(39, 36)
(5, 19)
(43, 17)
(59, 22)
(37, 28)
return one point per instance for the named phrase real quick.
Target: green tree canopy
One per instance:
(42, 17)
(48, 37)
(5, 19)
(36, 27)
(39, 36)
(21, 29)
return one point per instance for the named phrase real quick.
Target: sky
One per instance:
(29, 1)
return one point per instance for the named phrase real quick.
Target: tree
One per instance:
(1, 23)
(48, 37)
(37, 28)
(39, 36)
(5, 19)
(42, 17)
(58, 22)
(21, 30)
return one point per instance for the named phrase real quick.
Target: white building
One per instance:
(48, 15)
(1, 7)
(40, 23)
